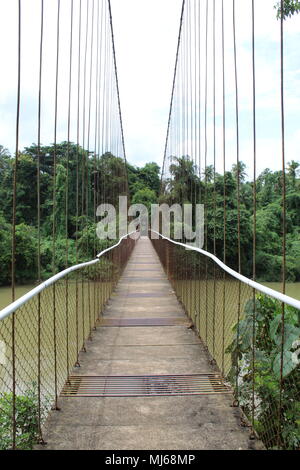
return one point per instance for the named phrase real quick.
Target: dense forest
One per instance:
(88, 183)
(184, 185)
(108, 178)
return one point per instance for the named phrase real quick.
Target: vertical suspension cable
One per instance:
(254, 214)
(237, 138)
(54, 204)
(88, 164)
(205, 169)
(224, 190)
(117, 83)
(176, 73)
(95, 283)
(196, 181)
(238, 179)
(85, 155)
(214, 174)
(13, 267)
(199, 200)
(39, 216)
(77, 177)
(67, 183)
(284, 210)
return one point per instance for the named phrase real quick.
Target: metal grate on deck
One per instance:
(143, 386)
(135, 322)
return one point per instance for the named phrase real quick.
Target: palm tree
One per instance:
(293, 170)
(208, 173)
(239, 172)
(183, 178)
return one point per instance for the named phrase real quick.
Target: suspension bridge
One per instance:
(145, 342)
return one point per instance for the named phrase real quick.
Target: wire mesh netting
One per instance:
(40, 343)
(252, 337)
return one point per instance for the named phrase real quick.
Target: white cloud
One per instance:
(146, 34)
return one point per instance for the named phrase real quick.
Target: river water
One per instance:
(292, 289)
(5, 294)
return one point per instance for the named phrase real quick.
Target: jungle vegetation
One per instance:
(108, 180)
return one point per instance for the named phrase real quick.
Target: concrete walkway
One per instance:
(151, 423)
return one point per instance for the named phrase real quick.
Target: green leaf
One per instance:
(274, 327)
(291, 334)
(288, 364)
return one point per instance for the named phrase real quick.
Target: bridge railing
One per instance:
(41, 335)
(252, 334)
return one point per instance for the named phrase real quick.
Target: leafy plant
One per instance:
(27, 431)
(265, 358)
(290, 7)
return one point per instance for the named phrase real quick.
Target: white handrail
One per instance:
(255, 285)
(37, 290)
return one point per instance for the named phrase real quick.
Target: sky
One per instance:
(146, 33)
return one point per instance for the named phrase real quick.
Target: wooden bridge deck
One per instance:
(146, 422)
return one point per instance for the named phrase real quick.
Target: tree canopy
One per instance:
(105, 178)
(290, 8)
(184, 185)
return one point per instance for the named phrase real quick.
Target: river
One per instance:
(292, 289)
(5, 294)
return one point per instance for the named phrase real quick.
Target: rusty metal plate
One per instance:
(143, 263)
(154, 295)
(140, 386)
(131, 322)
(144, 279)
(146, 270)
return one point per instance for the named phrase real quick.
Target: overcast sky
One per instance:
(146, 34)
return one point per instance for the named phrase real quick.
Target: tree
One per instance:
(183, 181)
(5, 251)
(144, 177)
(111, 179)
(290, 7)
(208, 173)
(149, 176)
(145, 196)
(239, 172)
(293, 169)
(4, 151)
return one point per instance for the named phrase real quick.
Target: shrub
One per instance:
(265, 315)
(27, 430)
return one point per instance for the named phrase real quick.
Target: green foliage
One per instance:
(106, 177)
(26, 248)
(264, 349)
(27, 412)
(185, 186)
(145, 196)
(111, 179)
(290, 7)
(5, 251)
(143, 178)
